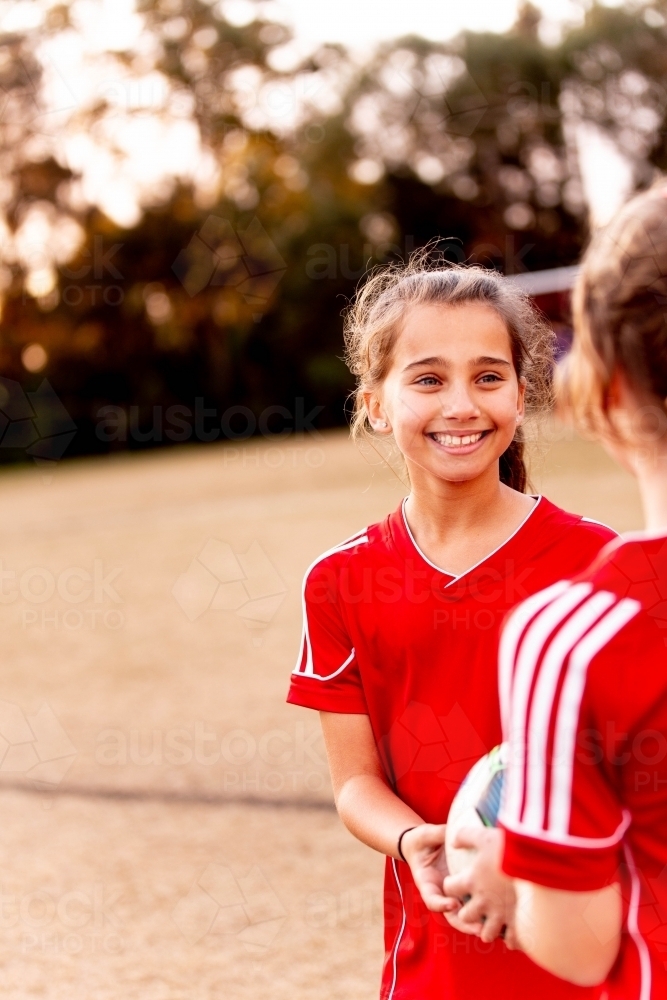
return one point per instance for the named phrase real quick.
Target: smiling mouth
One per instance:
(457, 440)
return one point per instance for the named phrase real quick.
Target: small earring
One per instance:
(383, 423)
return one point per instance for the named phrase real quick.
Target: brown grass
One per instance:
(143, 871)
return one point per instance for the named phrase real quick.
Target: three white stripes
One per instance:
(543, 700)
(580, 625)
(570, 703)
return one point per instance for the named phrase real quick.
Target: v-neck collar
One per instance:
(453, 578)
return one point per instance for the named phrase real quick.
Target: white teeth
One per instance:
(457, 441)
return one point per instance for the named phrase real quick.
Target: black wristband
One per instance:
(400, 851)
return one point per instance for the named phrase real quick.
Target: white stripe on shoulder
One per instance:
(534, 639)
(360, 538)
(592, 520)
(542, 703)
(570, 704)
(509, 641)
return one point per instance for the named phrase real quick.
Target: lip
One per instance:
(462, 449)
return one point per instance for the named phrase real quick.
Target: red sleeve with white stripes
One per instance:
(562, 815)
(326, 676)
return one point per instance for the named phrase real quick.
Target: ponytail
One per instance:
(513, 471)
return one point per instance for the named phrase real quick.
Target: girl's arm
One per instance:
(574, 935)
(374, 814)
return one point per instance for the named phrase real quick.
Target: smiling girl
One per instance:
(582, 665)
(401, 621)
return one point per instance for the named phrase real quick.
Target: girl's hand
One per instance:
(424, 850)
(491, 897)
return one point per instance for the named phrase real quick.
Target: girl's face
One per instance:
(452, 398)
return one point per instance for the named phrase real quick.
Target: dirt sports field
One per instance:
(167, 828)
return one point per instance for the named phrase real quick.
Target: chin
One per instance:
(459, 475)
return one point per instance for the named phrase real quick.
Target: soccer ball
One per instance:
(476, 804)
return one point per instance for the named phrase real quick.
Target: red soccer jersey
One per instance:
(388, 634)
(583, 682)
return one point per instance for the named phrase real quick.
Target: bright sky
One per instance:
(144, 140)
(363, 23)
(357, 23)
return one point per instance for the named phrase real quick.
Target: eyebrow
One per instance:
(426, 362)
(485, 360)
(443, 363)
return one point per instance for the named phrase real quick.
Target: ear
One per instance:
(521, 402)
(377, 417)
(617, 390)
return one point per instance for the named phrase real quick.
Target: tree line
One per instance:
(216, 312)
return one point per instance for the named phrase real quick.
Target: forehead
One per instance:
(455, 332)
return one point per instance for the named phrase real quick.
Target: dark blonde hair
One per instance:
(620, 312)
(374, 318)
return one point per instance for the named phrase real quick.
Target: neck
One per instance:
(444, 508)
(652, 481)
(457, 525)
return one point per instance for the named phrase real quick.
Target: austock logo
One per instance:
(36, 422)
(461, 109)
(246, 260)
(219, 579)
(246, 909)
(652, 911)
(31, 111)
(36, 745)
(643, 577)
(420, 741)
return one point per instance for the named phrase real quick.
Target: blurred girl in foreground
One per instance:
(585, 815)
(401, 621)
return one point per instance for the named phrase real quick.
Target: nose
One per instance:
(457, 402)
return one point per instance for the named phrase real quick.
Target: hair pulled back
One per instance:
(620, 311)
(374, 318)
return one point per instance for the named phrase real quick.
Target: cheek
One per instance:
(408, 410)
(503, 406)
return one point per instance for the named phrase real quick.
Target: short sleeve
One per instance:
(563, 818)
(586, 854)
(327, 676)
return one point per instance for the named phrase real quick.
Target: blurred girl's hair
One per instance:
(620, 312)
(374, 318)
